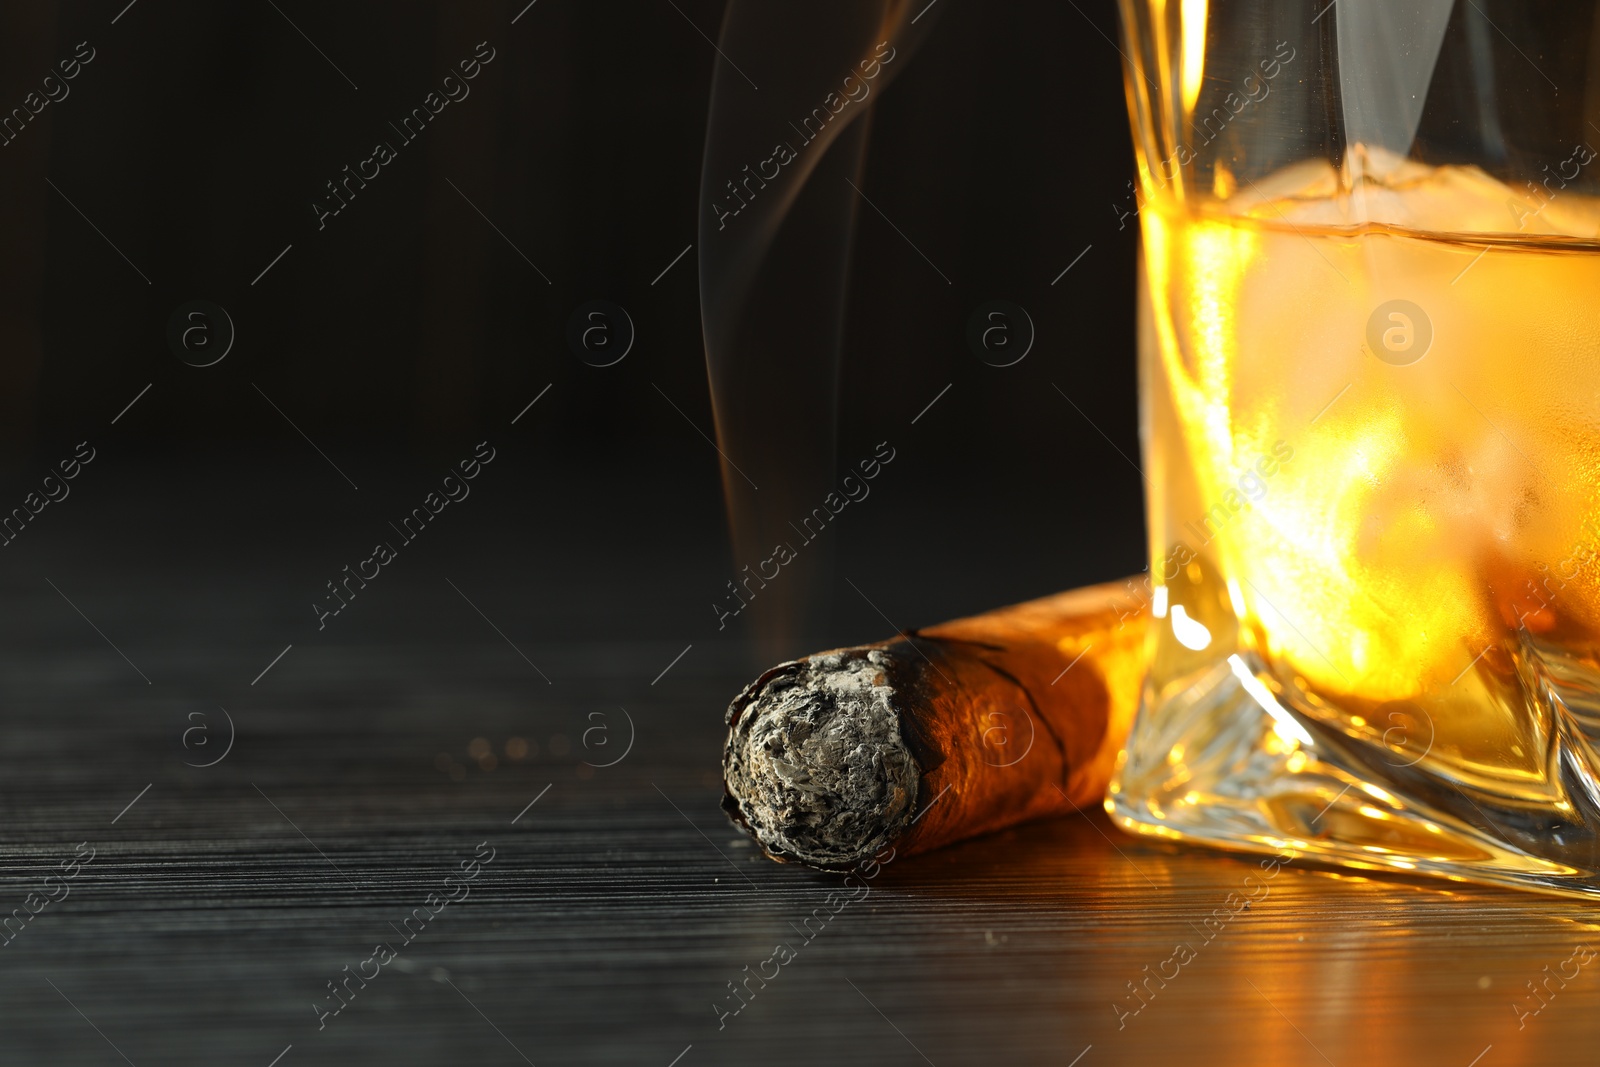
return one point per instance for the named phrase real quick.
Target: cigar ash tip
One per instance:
(816, 767)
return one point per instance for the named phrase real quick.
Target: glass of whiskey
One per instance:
(1370, 408)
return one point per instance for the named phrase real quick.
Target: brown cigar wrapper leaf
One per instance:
(940, 734)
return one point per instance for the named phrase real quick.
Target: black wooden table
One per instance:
(552, 709)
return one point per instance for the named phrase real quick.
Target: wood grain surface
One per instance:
(620, 905)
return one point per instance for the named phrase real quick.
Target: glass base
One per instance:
(1229, 757)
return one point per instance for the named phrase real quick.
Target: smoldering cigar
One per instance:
(835, 757)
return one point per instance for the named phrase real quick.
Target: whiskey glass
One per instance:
(1370, 408)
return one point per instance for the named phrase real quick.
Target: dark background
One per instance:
(408, 329)
(541, 670)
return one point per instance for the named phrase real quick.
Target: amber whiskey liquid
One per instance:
(1375, 525)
